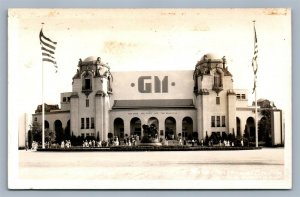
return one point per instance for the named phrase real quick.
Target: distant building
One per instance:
(24, 127)
(188, 103)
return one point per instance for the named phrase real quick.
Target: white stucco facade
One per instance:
(179, 103)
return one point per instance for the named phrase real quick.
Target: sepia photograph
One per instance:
(150, 98)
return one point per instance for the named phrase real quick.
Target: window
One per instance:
(82, 135)
(64, 99)
(218, 121)
(218, 100)
(87, 134)
(93, 134)
(241, 96)
(82, 123)
(69, 99)
(35, 119)
(92, 123)
(217, 80)
(87, 103)
(87, 123)
(108, 84)
(213, 124)
(87, 84)
(223, 121)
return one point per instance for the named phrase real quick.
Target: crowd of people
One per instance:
(134, 140)
(34, 146)
(65, 144)
(210, 143)
(93, 143)
(114, 141)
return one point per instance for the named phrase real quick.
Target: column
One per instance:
(99, 118)
(178, 126)
(126, 126)
(231, 113)
(75, 119)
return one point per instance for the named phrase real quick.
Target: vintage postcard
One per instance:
(149, 99)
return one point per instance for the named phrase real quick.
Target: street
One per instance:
(264, 164)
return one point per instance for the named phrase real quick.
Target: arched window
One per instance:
(217, 80)
(87, 81)
(59, 131)
(135, 126)
(119, 128)
(170, 128)
(218, 84)
(46, 125)
(153, 121)
(250, 129)
(187, 128)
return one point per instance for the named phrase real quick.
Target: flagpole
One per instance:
(256, 125)
(48, 50)
(43, 109)
(43, 106)
(255, 94)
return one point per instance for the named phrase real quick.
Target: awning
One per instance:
(153, 103)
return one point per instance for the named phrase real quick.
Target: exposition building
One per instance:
(177, 103)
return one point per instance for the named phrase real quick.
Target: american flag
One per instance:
(254, 59)
(48, 49)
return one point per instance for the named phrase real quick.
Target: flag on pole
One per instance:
(48, 49)
(254, 59)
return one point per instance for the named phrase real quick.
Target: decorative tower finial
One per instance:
(224, 62)
(98, 59)
(79, 62)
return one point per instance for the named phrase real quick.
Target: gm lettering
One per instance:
(145, 84)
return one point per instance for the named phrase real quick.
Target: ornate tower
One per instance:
(90, 98)
(215, 98)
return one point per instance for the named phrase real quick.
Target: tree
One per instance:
(35, 134)
(145, 129)
(214, 138)
(150, 132)
(59, 133)
(67, 132)
(206, 141)
(224, 136)
(264, 125)
(49, 136)
(98, 138)
(29, 137)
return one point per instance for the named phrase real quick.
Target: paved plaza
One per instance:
(264, 164)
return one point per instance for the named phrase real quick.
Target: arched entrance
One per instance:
(119, 128)
(153, 122)
(187, 128)
(170, 128)
(135, 126)
(250, 129)
(67, 130)
(238, 126)
(262, 129)
(49, 135)
(264, 132)
(46, 124)
(59, 131)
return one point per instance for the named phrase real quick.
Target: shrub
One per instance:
(145, 139)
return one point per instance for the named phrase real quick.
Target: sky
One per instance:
(148, 39)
